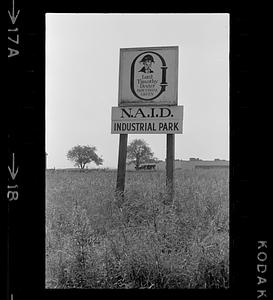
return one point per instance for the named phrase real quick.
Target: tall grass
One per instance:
(98, 240)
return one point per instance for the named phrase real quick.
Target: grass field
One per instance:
(97, 240)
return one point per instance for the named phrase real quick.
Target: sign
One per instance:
(148, 76)
(147, 120)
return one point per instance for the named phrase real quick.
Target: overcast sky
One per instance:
(82, 69)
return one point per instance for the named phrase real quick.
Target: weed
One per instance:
(96, 239)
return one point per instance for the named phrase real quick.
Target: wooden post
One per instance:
(121, 163)
(46, 160)
(170, 166)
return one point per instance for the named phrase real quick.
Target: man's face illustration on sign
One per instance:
(147, 61)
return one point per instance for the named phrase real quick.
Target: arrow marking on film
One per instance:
(12, 15)
(12, 173)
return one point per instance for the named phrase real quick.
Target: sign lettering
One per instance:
(147, 119)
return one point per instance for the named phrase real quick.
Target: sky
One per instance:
(82, 76)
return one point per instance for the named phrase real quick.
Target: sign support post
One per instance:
(121, 163)
(170, 166)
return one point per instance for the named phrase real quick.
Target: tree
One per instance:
(83, 155)
(138, 152)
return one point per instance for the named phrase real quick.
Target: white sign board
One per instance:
(147, 120)
(148, 76)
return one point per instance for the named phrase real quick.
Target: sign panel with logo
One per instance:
(148, 76)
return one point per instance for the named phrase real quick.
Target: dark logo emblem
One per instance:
(148, 82)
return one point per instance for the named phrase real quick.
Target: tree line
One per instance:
(138, 152)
